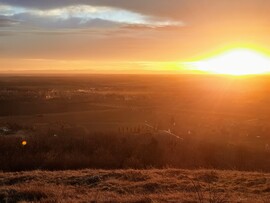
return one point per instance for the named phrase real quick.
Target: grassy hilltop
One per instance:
(167, 185)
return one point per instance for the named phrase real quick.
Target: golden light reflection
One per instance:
(234, 62)
(24, 143)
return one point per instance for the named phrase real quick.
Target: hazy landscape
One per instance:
(143, 101)
(211, 126)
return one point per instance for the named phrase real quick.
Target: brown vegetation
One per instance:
(71, 149)
(135, 186)
(123, 122)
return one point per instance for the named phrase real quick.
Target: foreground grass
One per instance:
(168, 185)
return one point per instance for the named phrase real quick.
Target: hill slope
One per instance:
(168, 185)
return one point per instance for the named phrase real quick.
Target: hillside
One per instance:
(168, 185)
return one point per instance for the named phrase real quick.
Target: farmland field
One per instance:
(213, 129)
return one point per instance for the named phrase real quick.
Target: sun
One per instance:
(235, 62)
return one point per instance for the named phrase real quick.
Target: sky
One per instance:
(124, 36)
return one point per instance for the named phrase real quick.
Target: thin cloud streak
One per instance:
(81, 16)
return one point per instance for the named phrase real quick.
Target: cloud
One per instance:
(7, 10)
(86, 13)
(128, 29)
(79, 16)
(157, 8)
(150, 7)
(192, 12)
(5, 22)
(51, 23)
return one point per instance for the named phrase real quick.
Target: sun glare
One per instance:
(235, 62)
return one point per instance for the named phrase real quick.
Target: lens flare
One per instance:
(24, 143)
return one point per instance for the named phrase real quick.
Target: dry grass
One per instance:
(168, 185)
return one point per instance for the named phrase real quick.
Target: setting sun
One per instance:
(135, 101)
(235, 62)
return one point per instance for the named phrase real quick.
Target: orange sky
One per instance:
(105, 36)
